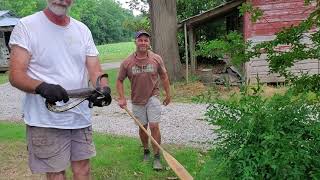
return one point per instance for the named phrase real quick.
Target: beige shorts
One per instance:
(151, 112)
(51, 150)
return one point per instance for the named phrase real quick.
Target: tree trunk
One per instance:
(164, 35)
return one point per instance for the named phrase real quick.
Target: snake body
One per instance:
(78, 96)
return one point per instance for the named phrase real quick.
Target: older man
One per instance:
(52, 53)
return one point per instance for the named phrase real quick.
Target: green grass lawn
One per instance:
(3, 78)
(117, 157)
(113, 73)
(115, 52)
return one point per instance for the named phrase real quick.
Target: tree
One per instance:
(138, 24)
(188, 8)
(163, 16)
(160, 11)
(105, 19)
(22, 8)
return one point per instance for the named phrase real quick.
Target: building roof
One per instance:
(2, 13)
(7, 19)
(210, 14)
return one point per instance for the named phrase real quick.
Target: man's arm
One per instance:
(166, 85)
(19, 61)
(122, 100)
(120, 89)
(95, 70)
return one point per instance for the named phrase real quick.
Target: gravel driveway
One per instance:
(181, 123)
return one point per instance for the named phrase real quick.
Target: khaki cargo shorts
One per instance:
(51, 149)
(151, 112)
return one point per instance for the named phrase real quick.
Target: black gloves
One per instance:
(101, 97)
(52, 92)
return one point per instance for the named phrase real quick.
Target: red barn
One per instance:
(277, 14)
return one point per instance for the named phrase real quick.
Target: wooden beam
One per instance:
(186, 51)
(214, 13)
(192, 46)
(6, 28)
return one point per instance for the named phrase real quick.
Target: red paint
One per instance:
(277, 14)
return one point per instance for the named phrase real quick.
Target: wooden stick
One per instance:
(180, 171)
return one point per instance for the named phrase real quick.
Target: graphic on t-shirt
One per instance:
(142, 69)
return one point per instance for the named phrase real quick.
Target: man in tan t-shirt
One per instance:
(143, 69)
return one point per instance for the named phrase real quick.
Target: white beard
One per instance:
(58, 10)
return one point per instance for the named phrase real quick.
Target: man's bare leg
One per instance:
(81, 170)
(144, 137)
(155, 133)
(145, 142)
(56, 175)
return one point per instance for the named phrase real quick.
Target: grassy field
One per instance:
(117, 157)
(113, 73)
(3, 78)
(115, 52)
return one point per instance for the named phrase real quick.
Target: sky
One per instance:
(125, 5)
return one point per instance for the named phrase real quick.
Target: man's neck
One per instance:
(141, 55)
(58, 20)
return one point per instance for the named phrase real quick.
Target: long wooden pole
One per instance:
(180, 171)
(186, 51)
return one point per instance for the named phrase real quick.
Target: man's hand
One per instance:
(167, 100)
(122, 102)
(52, 92)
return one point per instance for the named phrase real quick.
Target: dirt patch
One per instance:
(14, 162)
(269, 91)
(184, 92)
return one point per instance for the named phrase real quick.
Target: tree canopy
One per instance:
(105, 18)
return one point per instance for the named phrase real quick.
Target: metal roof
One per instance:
(4, 12)
(6, 19)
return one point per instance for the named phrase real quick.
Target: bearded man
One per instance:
(50, 53)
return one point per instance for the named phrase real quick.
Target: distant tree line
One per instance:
(106, 18)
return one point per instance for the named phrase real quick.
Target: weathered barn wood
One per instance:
(208, 16)
(277, 14)
(7, 22)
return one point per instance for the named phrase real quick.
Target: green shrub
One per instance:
(276, 138)
(306, 83)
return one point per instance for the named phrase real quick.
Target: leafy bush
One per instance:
(276, 138)
(306, 83)
(232, 45)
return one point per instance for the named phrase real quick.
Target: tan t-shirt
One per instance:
(143, 75)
